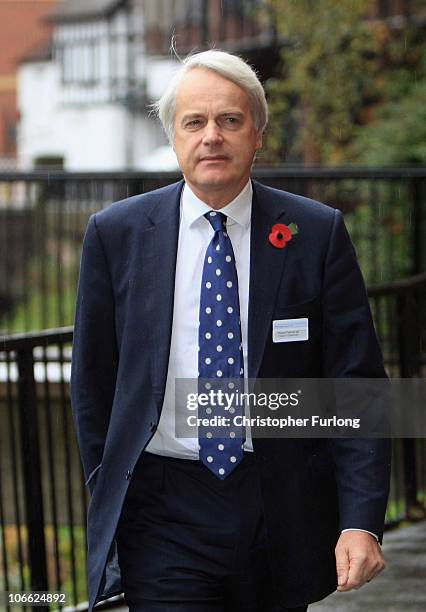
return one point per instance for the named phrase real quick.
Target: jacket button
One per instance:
(153, 426)
(128, 474)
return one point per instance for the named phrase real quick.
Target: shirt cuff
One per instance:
(365, 530)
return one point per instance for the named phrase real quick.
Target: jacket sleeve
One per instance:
(94, 355)
(351, 349)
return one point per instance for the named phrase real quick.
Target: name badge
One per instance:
(290, 330)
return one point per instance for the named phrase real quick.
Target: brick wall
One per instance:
(21, 30)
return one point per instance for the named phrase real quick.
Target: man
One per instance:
(186, 282)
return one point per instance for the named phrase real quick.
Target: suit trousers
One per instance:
(190, 542)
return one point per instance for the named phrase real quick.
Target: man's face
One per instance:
(215, 139)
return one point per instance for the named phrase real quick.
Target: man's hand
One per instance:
(359, 559)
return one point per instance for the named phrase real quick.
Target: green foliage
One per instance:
(339, 72)
(324, 71)
(41, 311)
(396, 135)
(64, 552)
(45, 284)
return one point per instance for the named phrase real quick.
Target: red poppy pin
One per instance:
(281, 234)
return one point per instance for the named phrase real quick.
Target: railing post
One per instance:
(409, 363)
(32, 473)
(410, 477)
(418, 226)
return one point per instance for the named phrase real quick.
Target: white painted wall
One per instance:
(89, 137)
(157, 72)
(96, 136)
(37, 100)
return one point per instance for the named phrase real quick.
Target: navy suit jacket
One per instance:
(311, 488)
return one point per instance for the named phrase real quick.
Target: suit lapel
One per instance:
(165, 217)
(266, 269)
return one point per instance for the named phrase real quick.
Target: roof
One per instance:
(76, 10)
(41, 52)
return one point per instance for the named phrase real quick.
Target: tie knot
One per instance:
(217, 220)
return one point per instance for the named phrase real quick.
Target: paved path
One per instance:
(400, 588)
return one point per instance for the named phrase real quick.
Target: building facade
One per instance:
(85, 105)
(85, 102)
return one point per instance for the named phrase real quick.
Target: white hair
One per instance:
(229, 66)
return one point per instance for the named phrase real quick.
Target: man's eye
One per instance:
(193, 123)
(231, 121)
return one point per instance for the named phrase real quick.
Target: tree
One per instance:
(396, 131)
(339, 73)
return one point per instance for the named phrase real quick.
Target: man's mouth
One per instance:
(213, 158)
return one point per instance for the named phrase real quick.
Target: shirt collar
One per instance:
(237, 211)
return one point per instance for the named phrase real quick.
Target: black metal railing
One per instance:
(43, 217)
(399, 310)
(43, 499)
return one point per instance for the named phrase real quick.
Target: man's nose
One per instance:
(212, 134)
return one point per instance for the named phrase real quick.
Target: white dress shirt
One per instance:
(195, 234)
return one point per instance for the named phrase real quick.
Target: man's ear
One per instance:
(259, 141)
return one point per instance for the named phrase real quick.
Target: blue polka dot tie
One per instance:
(220, 357)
